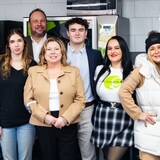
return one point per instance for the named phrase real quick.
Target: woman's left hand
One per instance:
(148, 118)
(60, 122)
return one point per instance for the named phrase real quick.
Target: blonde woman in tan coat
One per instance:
(146, 81)
(54, 94)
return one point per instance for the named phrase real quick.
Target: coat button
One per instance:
(61, 105)
(59, 81)
(61, 93)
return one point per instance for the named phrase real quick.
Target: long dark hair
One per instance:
(5, 59)
(126, 59)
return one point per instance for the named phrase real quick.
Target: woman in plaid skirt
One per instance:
(112, 127)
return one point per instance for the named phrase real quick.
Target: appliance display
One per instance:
(109, 26)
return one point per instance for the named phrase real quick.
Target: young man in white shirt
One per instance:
(86, 59)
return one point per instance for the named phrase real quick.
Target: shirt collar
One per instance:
(43, 39)
(43, 70)
(72, 50)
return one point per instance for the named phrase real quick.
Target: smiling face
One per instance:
(53, 53)
(16, 44)
(114, 51)
(38, 24)
(77, 34)
(154, 53)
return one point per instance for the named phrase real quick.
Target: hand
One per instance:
(49, 119)
(148, 118)
(60, 122)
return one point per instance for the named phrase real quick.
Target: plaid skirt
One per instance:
(111, 127)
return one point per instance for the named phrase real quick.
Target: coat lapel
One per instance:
(90, 61)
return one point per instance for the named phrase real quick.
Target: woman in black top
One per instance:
(17, 135)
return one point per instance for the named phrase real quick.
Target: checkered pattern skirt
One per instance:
(111, 127)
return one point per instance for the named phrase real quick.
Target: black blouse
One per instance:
(12, 110)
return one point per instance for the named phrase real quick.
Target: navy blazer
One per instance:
(94, 59)
(29, 45)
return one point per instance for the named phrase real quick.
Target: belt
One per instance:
(90, 103)
(113, 105)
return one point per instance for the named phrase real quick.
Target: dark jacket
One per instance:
(29, 43)
(94, 59)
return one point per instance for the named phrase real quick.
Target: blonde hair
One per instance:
(6, 58)
(62, 47)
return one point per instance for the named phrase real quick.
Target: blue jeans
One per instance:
(18, 140)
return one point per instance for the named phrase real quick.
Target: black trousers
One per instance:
(58, 144)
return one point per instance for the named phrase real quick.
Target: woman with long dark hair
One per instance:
(16, 134)
(112, 127)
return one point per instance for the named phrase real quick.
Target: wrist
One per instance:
(47, 119)
(64, 120)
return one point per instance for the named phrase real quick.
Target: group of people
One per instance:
(73, 100)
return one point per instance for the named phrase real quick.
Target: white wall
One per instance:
(144, 15)
(17, 9)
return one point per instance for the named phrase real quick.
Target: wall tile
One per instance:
(17, 10)
(36, 1)
(156, 23)
(132, 43)
(128, 8)
(10, 1)
(140, 43)
(147, 8)
(140, 26)
(59, 1)
(58, 9)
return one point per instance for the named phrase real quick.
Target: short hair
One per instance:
(62, 47)
(77, 20)
(37, 10)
